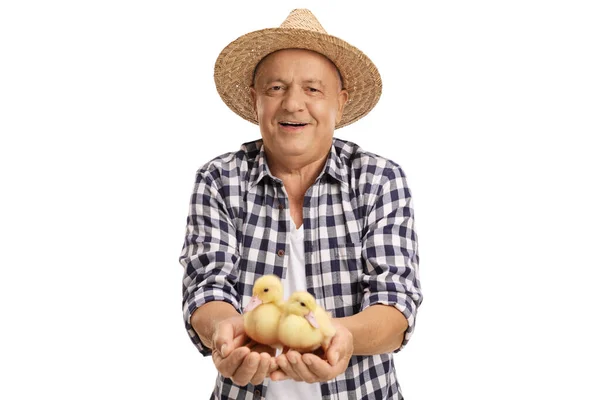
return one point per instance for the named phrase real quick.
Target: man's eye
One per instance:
(313, 90)
(275, 87)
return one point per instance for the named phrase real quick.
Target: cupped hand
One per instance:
(311, 368)
(237, 357)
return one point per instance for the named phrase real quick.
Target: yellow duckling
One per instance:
(263, 312)
(305, 326)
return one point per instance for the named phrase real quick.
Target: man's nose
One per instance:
(293, 100)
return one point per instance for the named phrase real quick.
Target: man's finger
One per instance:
(301, 368)
(333, 357)
(319, 367)
(273, 365)
(227, 366)
(239, 340)
(285, 366)
(278, 375)
(229, 335)
(223, 338)
(247, 369)
(334, 351)
(262, 370)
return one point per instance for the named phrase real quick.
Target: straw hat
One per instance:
(235, 65)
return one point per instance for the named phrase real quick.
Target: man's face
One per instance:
(298, 101)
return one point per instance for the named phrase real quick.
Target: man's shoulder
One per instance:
(358, 161)
(233, 164)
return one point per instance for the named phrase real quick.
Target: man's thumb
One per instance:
(224, 350)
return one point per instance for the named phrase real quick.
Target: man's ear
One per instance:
(253, 96)
(342, 100)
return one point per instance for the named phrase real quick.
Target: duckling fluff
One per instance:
(262, 314)
(304, 325)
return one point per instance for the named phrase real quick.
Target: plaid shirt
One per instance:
(360, 249)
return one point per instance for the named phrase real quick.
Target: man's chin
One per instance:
(295, 144)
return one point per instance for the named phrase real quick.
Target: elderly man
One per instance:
(319, 212)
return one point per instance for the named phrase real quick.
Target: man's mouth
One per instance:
(288, 124)
(292, 126)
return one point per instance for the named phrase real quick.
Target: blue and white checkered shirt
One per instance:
(360, 245)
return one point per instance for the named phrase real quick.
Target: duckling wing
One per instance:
(296, 333)
(263, 324)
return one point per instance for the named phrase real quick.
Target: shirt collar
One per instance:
(260, 169)
(333, 167)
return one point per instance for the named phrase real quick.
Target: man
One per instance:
(319, 212)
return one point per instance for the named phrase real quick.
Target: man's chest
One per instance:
(332, 244)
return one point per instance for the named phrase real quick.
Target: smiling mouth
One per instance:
(292, 124)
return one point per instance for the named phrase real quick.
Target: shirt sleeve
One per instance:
(390, 251)
(209, 255)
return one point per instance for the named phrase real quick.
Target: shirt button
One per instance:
(280, 253)
(257, 394)
(280, 206)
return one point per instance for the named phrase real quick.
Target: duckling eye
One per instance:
(302, 304)
(266, 290)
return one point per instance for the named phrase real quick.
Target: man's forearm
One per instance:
(206, 318)
(378, 329)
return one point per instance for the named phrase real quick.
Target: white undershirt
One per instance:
(295, 280)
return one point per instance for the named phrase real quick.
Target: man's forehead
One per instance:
(269, 78)
(272, 66)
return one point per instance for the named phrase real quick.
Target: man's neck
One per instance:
(297, 175)
(295, 172)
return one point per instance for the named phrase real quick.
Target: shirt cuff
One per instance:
(205, 295)
(402, 302)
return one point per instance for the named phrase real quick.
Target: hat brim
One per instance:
(235, 66)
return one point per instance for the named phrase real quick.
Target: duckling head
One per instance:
(267, 289)
(303, 304)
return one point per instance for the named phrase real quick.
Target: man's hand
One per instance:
(312, 368)
(238, 358)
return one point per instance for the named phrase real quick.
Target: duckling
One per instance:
(304, 325)
(263, 312)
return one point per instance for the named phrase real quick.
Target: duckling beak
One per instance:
(311, 318)
(254, 302)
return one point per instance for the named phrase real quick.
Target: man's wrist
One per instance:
(370, 334)
(206, 318)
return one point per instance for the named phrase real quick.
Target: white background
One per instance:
(108, 108)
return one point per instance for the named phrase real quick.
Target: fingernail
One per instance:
(335, 358)
(307, 361)
(223, 349)
(280, 377)
(292, 359)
